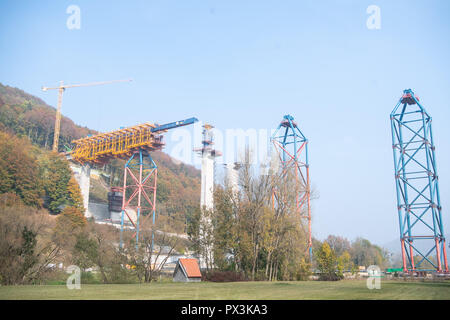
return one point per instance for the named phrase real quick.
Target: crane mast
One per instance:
(61, 89)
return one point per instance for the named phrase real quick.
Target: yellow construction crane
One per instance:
(61, 89)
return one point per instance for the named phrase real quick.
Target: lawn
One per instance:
(348, 289)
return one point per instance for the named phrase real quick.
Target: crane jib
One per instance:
(173, 125)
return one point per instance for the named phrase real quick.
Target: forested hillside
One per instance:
(30, 119)
(38, 177)
(27, 115)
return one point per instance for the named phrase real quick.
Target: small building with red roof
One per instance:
(187, 270)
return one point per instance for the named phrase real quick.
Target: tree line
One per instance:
(247, 232)
(42, 224)
(34, 244)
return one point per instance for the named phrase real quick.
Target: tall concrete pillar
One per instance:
(208, 154)
(85, 182)
(82, 174)
(207, 182)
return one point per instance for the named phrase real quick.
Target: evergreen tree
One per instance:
(56, 175)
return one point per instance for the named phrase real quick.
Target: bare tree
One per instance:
(158, 243)
(26, 248)
(97, 247)
(260, 225)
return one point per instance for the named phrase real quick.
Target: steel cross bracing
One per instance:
(417, 186)
(292, 149)
(139, 191)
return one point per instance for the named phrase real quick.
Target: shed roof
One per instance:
(191, 267)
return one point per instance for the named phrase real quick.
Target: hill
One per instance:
(27, 116)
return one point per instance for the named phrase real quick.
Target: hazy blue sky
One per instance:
(244, 64)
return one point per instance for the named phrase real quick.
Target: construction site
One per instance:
(416, 179)
(224, 150)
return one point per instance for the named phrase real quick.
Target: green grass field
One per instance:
(350, 289)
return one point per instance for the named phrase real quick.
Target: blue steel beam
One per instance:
(417, 186)
(173, 125)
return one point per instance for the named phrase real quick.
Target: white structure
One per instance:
(208, 155)
(82, 174)
(207, 182)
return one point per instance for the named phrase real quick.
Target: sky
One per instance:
(244, 65)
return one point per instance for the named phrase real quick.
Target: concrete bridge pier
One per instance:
(82, 174)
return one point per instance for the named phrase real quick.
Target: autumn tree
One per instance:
(34, 174)
(253, 235)
(359, 252)
(344, 263)
(338, 244)
(327, 263)
(97, 248)
(74, 194)
(204, 236)
(156, 245)
(364, 253)
(71, 217)
(69, 223)
(18, 170)
(225, 230)
(26, 247)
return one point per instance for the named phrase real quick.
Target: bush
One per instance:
(330, 277)
(120, 275)
(223, 276)
(56, 277)
(304, 270)
(88, 277)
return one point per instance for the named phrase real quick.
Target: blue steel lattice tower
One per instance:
(416, 179)
(291, 147)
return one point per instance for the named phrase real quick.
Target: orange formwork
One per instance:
(117, 144)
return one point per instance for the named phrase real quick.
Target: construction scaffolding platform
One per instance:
(121, 144)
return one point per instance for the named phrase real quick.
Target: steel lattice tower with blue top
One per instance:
(417, 187)
(292, 148)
